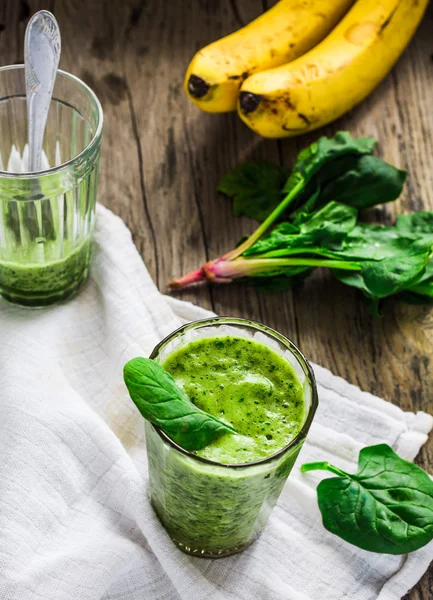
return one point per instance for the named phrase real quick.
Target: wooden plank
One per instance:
(195, 149)
(162, 159)
(93, 46)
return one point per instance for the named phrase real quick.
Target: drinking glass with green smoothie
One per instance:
(216, 501)
(47, 217)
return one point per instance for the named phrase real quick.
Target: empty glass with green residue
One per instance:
(47, 217)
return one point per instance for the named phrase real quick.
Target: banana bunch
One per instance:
(303, 63)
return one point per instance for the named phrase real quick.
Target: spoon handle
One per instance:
(41, 58)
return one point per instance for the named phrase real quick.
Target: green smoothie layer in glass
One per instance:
(245, 384)
(216, 501)
(38, 284)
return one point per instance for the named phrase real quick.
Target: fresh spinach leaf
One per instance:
(418, 299)
(358, 181)
(374, 242)
(387, 507)
(334, 218)
(319, 154)
(416, 223)
(423, 288)
(283, 235)
(386, 276)
(286, 280)
(162, 402)
(256, 188)
(327, 226)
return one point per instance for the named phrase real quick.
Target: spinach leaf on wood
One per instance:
(385, 277)
(256, 188)
(380, 278)
(286, 280)
(334, 218)
(416, 223)
(426, 279)
(162, 402)
(329, 225)
(359, 181)
(411, 296)
(324, 151)
(283, 235)
(387, 507)
(374, 242)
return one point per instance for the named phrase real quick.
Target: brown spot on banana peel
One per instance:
(361, 34)
(389, 19)
(305, 119)
(285, 99)
(242, 76)
(308, 123)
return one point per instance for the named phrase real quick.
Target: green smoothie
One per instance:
(247, 385)
(218, 508)
(38, 284)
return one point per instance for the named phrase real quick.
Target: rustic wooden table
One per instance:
(162, 159)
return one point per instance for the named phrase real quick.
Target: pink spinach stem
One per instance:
(225, 271)
(233, 266)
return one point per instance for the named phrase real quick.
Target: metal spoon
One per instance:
(41, 58)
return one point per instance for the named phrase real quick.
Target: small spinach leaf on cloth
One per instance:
(256, 188)
(162, 402)
(387, 507)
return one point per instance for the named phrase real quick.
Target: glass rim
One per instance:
(92, 143)
(273, 334)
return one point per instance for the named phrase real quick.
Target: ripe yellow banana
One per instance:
(333, 77)
(278, 36)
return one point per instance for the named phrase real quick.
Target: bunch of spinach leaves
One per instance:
(341, 168)
(320, 200)
(387, 507)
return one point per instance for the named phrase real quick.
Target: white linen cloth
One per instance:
(75, 519)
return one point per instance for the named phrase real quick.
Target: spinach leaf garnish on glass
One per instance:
(162, 402)
(311, 220)
(387, 507)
